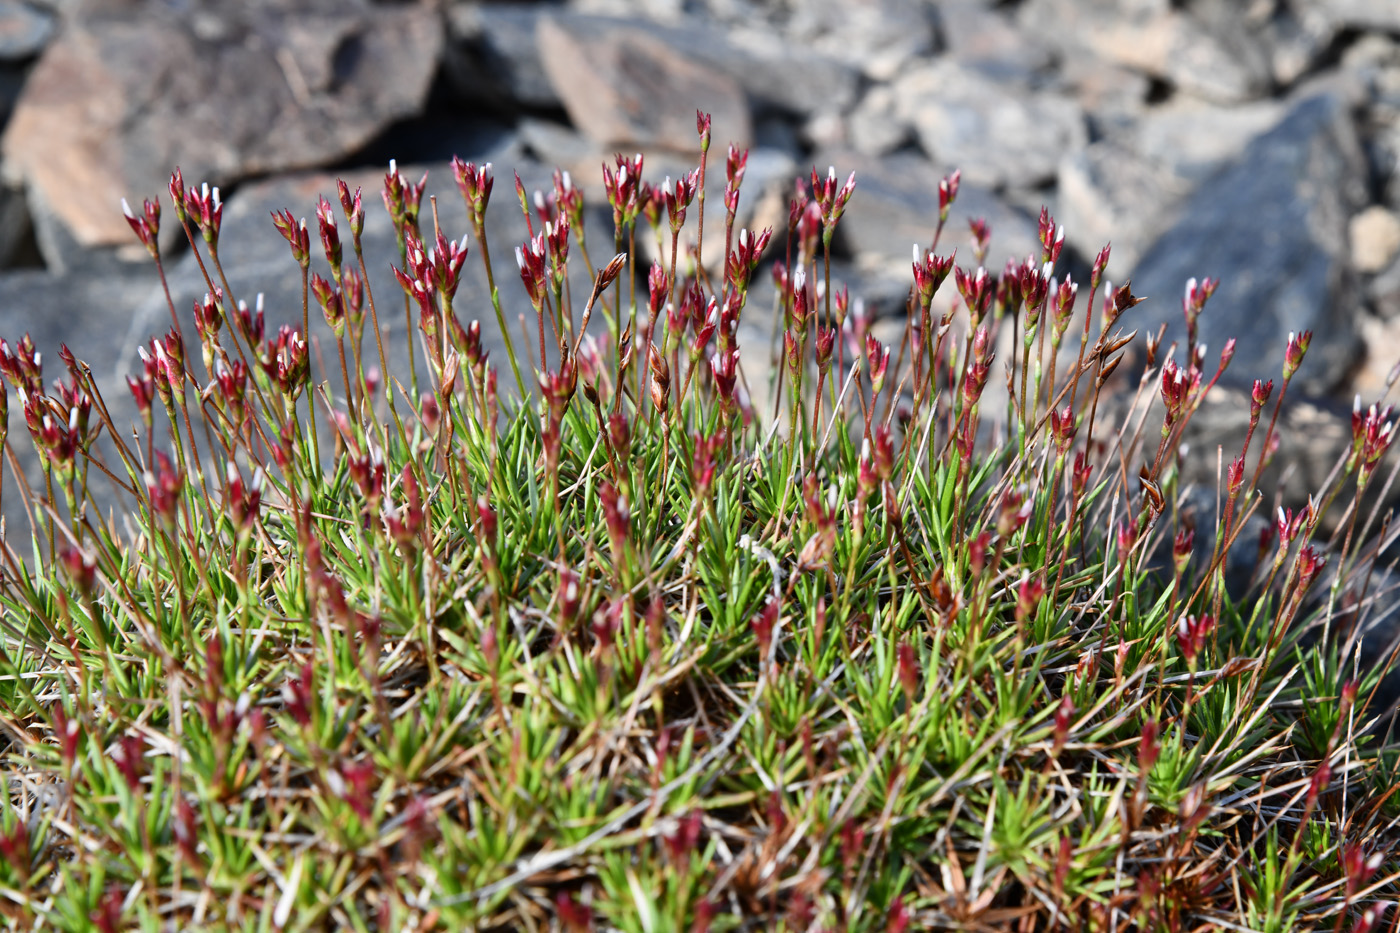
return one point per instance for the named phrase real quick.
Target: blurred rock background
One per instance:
(1254, 141)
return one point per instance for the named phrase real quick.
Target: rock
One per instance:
(776, 75)
(621, 88)
(1273, 227)
(1219, 59)
(1380, 15)
(24, 30)
(985, 39)
(1114, 98)
(1384, 291)
(1194, 139)
(995, 134)
(1109, 193)
(493, 56)
(895, 206)
(878, 36)
(875, 127)
(1381, 339)
(1296, 39)
(1375, 238)
(225, 92)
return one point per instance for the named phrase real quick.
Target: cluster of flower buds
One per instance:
(832, 201)
(623, 188)
(743, 260)
(81, 566)
(250, 321)
(287, 362)
(1028, 597)
(1310, 564)
(617, 516)
(23, 367)
(243, 501)
(1014, 512)
(1062, 426)
(229, 390)
(1052, 238)
(660, 379)
(877, 358)
(819, 546)
(405, 523)
(977, 290)
(59, 426)
(1064, 310)
(367, 472)
(1193, 302)
(1178, 388)
(676, 197)
(1371, 436)
(532, 259)
(330, 235)
(735, 165)
(763, 625)
(475, 182)
(163, 489)
(1035, 289)
(979, 367)
(331, 300)
(200, 204)
(947, 194)
(981, 232)
(1191, 634)
(403, 199)
(295, 233)
(724, 371)
(1258, 397)
(930, 271)
(146, 226)
(908, 671)
(706, 461)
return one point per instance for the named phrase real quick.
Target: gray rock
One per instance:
(877, 36)
(1110, 193)
(1114, 98)
(984, 38)
(875, 126)
(1273, 228)
(223, 91)
(24, 30)
(493, 56)
(1194, 139)
(994, 133)
(776, 75)
(622, 88)
(1296, 38)
(1218, 58)
(1381, 15)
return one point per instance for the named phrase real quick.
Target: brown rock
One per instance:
(127, 93)
(622, 87)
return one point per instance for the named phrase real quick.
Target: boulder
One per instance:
(1215, 54)
(127, 91)
(622, 88)
(877, 36)
(995, 133)
(1273, 227)
(24, 31)
(492, 56)
(775, 74)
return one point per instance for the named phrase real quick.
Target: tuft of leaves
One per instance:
(629, 653)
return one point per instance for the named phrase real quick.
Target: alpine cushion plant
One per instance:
(367, 657)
